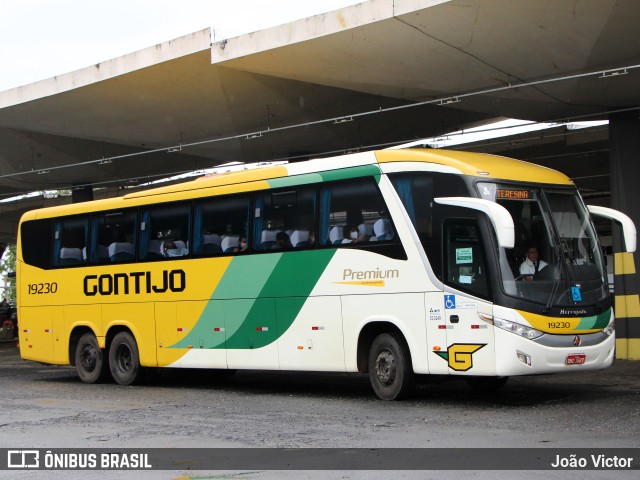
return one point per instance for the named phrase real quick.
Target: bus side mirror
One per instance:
(628, 227)
(500, 216)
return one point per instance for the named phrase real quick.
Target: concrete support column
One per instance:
(624, 138)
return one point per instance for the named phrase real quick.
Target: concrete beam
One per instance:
(310, 28)
(163, 52)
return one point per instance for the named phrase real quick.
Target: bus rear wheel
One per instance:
(124, 360)
(90, 360)
(390, 371)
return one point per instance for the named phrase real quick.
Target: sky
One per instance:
(43, 38)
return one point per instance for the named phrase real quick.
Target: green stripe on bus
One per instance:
(595, 322)
(252, 294)
(246, 275)
(281, 300)
(328, 176)
(353, 172)
(297, 273)
(234, 297)
(295, 180)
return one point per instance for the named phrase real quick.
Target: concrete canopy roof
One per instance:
(116, 122)
(434, 49)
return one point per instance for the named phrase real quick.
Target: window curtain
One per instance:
(145, 234)
(325, 212)
(197, 229)
(258, 222)
(57, 242)
(95, 239)
(404, 187)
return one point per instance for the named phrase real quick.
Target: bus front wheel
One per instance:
(390, 371)
(124, 360)
(90, 359)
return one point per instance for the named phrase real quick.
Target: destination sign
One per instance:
(512, 194)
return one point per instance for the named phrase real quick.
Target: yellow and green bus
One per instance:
(393, 262)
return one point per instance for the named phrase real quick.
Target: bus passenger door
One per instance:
(470, 342)
(436, 332)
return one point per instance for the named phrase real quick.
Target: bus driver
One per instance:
(532, 264)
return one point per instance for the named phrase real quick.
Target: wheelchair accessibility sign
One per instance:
(449, 302)
(576, 294)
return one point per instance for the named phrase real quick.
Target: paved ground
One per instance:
(48, 407)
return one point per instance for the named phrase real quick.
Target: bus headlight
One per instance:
(610, 329)
(522, 330)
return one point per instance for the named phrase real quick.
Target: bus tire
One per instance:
(90, 360)
(390, 371)
(124, 360)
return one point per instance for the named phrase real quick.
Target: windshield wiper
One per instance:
(558, 275)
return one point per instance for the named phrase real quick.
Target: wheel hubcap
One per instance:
(124, 358)
(89, 358)
(386, 367)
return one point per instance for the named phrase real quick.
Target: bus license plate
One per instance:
(577, 359)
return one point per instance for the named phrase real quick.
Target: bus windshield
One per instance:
(556, 260)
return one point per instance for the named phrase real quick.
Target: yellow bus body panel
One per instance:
(478, 165)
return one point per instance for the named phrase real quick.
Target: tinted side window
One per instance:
(464, 257)
(70, 241)
(36, 242)
(284, 219)
(164, 231)
(220, 225)
(353, 213)
(113, 236)
(417, 191)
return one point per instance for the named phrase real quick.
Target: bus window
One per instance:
(220, 225)
(284, 219)
(70, 241)
(530, 229)
(35, 237)
(417, 191)
(574, 229)
(354, 213)
(113, 236)
(164, 231)
(464, 258)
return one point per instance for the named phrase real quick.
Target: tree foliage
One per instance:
(8, 266)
